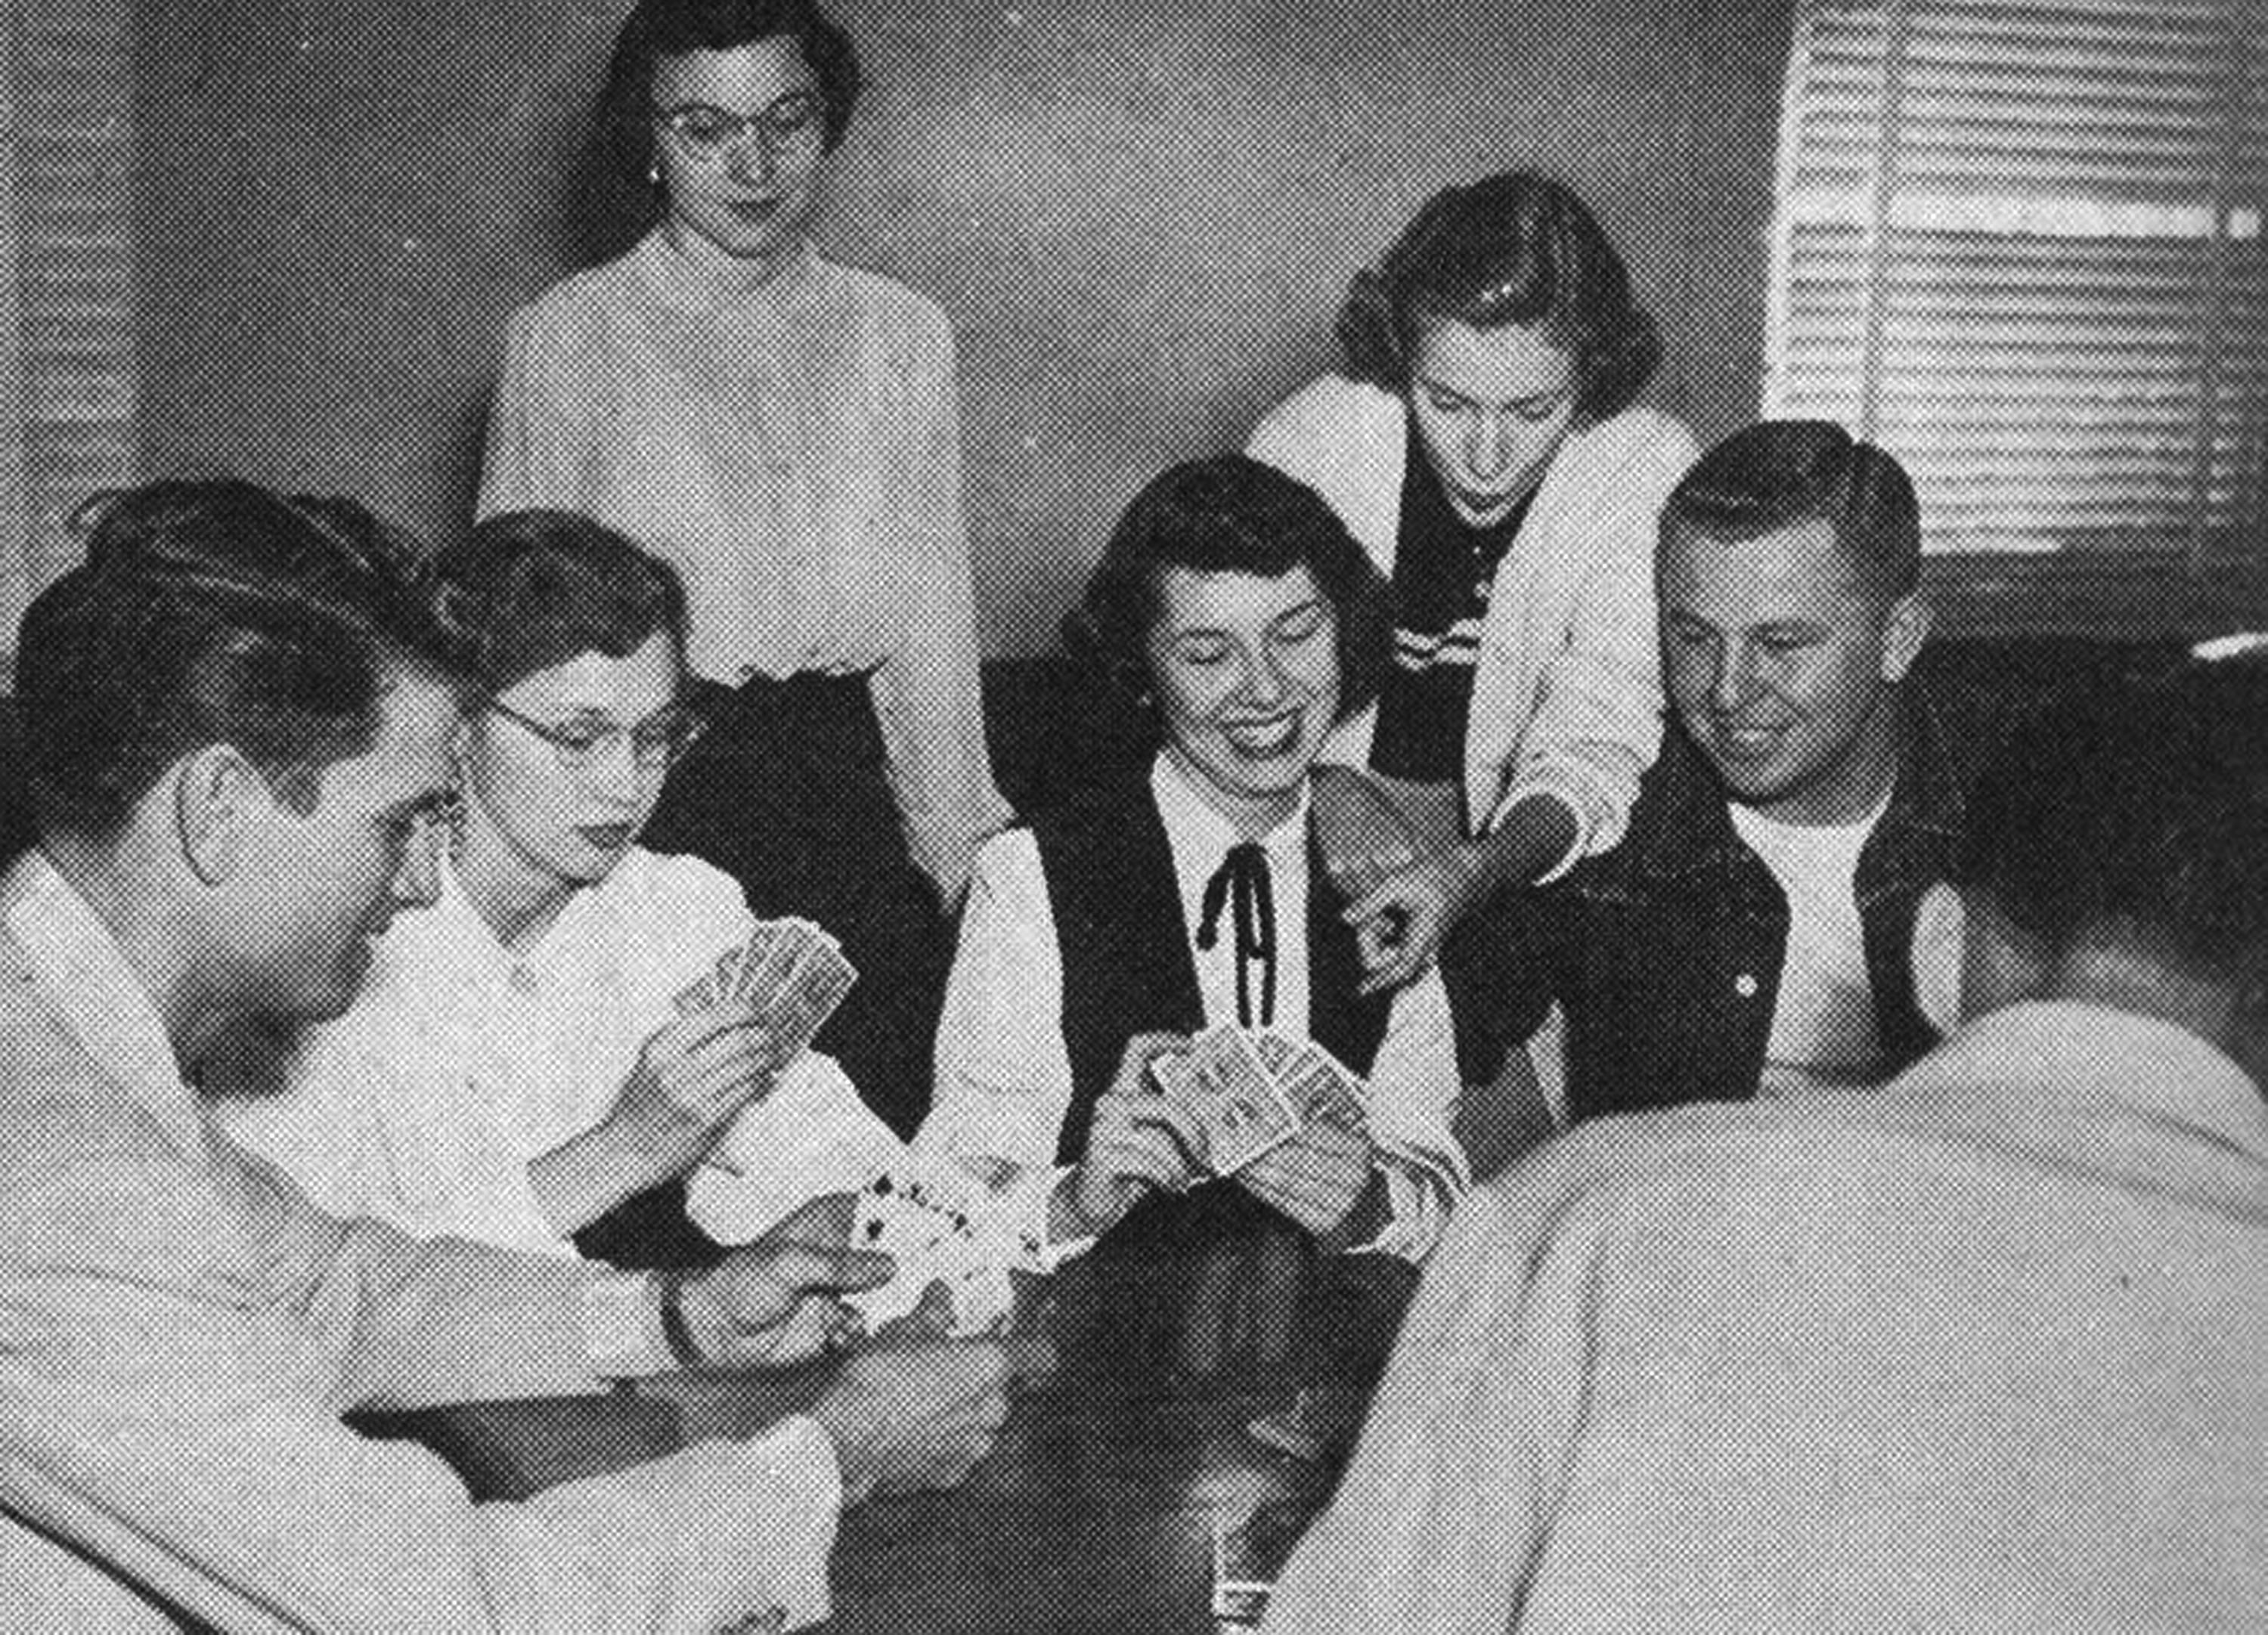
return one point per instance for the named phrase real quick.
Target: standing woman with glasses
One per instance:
(1485, 445)
(514, 1070)
(784, 429)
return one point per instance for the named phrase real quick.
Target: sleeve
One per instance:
(543, 420)
(928, 695)
(160, 1423)
(1597, 724)
(1002, 1082)
(810, 1136)
(1447, 1507)
(1415, 1091)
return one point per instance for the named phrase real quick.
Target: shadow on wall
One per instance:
(1140, 217)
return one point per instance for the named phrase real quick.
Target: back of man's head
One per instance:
(213, 612)
(2137, 811)
(1779, 473)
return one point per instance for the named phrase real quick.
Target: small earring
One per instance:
(654, 176)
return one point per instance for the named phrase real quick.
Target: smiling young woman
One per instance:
(785, 430)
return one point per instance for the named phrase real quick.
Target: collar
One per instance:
(2061, 1053)
(1199, 831)
(1685, 826)
(86, 978)
(683, 285)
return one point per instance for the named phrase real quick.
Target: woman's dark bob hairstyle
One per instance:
(1228, 514)
(623, 200)
(527, 590)
(1514, 248)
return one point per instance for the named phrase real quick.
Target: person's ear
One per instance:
(1905, 627)
(216, 795)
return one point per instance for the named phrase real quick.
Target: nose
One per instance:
(417, 882)
(1265, 681)
(614, 773)
(1488, 447)
(1735, 676)
(751, 158)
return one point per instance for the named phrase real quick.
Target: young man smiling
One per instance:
(237, 719)
(1756, 929)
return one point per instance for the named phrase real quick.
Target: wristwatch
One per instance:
(669, 1284)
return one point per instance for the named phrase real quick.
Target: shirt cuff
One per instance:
(1585, 828)
(764, 1513)
(622, 1326)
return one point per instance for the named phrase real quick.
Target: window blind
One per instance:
(67, 317)
(2019, 246)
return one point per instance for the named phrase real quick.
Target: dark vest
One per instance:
(1125, 947)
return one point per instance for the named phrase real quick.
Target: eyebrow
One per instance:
(1544, 396)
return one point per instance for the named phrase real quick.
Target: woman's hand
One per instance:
(1399, 922)
(693, 1078)
(1139, 1141)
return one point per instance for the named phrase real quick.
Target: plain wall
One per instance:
(1140, 218)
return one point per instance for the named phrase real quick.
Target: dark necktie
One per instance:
(1241, 884)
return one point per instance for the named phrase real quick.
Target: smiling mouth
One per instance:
(1749, 740)
(1261, 740)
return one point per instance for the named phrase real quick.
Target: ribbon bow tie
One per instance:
(1243, 882)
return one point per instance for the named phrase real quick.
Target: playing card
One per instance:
(728, 969)
(928, 1224)
(1320, 1088)
(697, 997)
(753, 953)
(1220, 1079)
(1275, 1052)
(810, 994)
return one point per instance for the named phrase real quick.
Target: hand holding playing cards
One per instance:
(692, 1078)
(1139, 1142)
(908, 1416)
(773, 1302)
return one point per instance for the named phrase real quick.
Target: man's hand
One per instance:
(911, 1417)
(1139, 1141)
(1317, 1178)
(774, 1303)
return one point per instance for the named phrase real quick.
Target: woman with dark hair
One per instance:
(784, 429)
(1485, 446)
(513, 1071)
(1234, 605)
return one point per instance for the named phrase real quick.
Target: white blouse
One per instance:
(461, 1062)
(794, 450)
(1004, 1075)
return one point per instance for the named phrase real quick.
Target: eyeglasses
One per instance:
(656, 743)
(791, 128)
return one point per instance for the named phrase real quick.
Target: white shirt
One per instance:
(1822, 1032)
(1976, 1351)
(1004, 1075)
(461, 1062)
(180, 1331)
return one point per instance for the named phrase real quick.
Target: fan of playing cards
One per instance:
(790, 973)
(1252, 1092)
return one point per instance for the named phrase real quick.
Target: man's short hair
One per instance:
(215, 611)
(2142, 805)
(1778, 473)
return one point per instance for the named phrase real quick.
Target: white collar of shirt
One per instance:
(684, 285)
(100, 996)
(1201, 836)
(2080, 1055)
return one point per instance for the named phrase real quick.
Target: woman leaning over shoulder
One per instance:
(784, 429)
(1484, 446)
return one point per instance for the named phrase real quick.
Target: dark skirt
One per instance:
(789, 793)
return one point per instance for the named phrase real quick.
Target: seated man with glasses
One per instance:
(514, 1070)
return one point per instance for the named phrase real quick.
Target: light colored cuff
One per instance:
(1566, 791)
(758, 1524)
(1422, 1187)
(622, 1326)
(1040, 1186)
